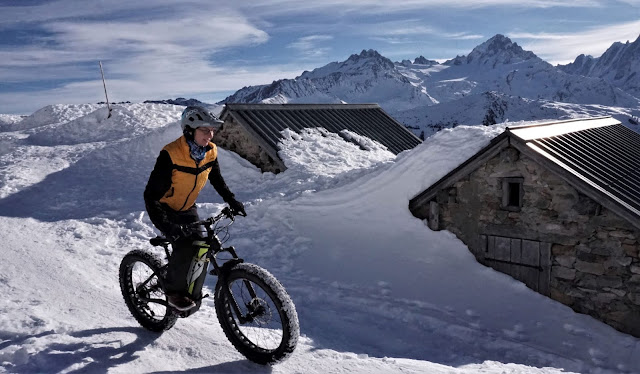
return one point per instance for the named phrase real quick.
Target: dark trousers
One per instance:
(182, 255)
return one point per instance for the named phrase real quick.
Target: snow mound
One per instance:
(126, 121)
(323, 153)
(54, 114)
(7, 121)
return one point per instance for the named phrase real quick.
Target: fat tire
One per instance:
(131, 298)
(284, 306)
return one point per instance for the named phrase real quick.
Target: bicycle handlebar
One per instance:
(227, 212)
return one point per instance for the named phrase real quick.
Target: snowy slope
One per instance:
(375, 289)
(494, 107)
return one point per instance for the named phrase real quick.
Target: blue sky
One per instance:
(207, 49)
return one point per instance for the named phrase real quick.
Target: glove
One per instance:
(237, 207)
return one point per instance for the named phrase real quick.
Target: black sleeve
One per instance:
(215, 177)
(158, 184)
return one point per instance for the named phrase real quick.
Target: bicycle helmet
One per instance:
(195, 116)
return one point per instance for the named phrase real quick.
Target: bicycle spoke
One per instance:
(146, 284)
(259, 322)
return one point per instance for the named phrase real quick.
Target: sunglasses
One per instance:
(207, 130)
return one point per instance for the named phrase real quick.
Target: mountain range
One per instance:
(619, 65)
(497, 81)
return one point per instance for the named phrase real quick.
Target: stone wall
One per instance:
(595, 265)
(234, 138)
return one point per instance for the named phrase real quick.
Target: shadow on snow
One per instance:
(98, 355)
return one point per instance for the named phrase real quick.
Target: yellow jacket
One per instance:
(187, 177)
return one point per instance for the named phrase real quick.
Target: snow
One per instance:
(376, 291)
(496, 82)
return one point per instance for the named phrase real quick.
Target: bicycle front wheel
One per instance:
(256, 314)
(141, 276)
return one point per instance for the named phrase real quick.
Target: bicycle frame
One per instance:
(215, 248)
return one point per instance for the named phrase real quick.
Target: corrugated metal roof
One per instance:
(601, 152)
(545, 130)
(268, 120)
(598, 156)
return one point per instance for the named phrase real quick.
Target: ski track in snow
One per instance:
(375, 290)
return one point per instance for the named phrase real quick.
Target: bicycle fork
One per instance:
(222, 272)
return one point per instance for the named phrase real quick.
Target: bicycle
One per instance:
(253, 308)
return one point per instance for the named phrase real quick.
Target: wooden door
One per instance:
(528, 261)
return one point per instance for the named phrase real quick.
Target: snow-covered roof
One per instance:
(547, 130)
(266, 122)
(598, 156)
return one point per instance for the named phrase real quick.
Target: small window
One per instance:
(512, 192)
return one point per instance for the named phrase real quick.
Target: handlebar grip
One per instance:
(232, 212)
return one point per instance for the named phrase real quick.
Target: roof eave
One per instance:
(418, 204)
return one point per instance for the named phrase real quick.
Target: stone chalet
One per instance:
(556, 206)
(254, 130)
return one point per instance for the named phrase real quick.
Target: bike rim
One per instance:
(259, 323)
(146, 286)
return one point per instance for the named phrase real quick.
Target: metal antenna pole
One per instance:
(105, 89)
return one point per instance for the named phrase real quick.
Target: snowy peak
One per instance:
(367, 56)
(358, 64)
(362, 78)
(367, 60)
(497, 50)
(619, 65)
(421, 60)
(497, 65)
(178, 101)
(581, 66)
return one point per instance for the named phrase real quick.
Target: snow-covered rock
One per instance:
(501, 65)
(619, 65)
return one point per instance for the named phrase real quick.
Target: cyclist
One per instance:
(180, 173)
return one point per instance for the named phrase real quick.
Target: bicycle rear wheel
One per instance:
(141, 277)
(256, 314)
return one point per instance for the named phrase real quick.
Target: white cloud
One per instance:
(393, 40)
(157, 84)
(409, 31)
(279, 7)
(163, 48)
(564, 48)
(309, 47)
(463, 36)
(163, 56)
(56, 10)
(157, 57)
(309, 41)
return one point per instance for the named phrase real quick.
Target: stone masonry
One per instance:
(595, 264)
(234, 138)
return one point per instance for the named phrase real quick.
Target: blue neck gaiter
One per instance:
(197, 152)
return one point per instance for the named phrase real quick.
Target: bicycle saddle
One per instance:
(158, 241)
